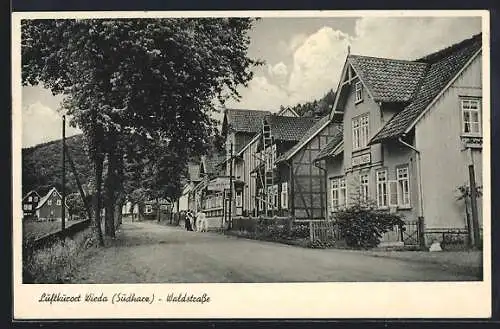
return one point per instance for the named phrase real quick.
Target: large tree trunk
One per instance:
(112, 184)
(157, 210)
(99, 163)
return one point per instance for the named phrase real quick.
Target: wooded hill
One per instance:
(316, 108)
(42, 166)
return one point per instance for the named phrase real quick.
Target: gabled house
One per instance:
(50, 206)
(411, 129)
(303, 181)
(29, 203)
(279, 134)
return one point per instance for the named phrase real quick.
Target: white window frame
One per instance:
(360, 131)
(364, 180)
(239, 198)
(148, 209)
(284, 195)
(343, 192)
(404, 192)
(334, 193)
(49, 202)
(58, 202)
(29, 199)
(466, 104)
(261, 199)
(358, 91)
(382, 188)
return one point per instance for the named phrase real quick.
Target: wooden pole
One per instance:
(230, 186)
(80, 188)
(63, 188)
(473, 199)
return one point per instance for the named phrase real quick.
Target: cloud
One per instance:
(278, 73)
(42, 124)
(318, 58)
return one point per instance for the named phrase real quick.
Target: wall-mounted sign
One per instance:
(361, 159)
(218, 184)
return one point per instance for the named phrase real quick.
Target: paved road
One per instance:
(149, 253)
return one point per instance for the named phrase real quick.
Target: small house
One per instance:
(50, 206)
(29, 204)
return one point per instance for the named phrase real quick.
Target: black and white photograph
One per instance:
(240, 149)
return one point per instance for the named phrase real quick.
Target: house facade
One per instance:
(29, 204)
(50, 206)
(410, 131)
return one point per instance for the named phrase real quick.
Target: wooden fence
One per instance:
(324, 230)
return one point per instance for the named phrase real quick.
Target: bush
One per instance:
(362, 226)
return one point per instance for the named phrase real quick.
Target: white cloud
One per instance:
(42, 124)
(319, 57)
(278, 73)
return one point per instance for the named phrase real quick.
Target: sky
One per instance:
(303, 59)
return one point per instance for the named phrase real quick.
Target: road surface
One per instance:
(146, 252)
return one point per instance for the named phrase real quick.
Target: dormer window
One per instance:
(358, 88)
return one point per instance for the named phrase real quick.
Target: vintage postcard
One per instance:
(267, 164)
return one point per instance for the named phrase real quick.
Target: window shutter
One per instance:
(393, 193)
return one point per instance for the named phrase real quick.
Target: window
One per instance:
(403, 179)
(275, 197)
(148, 209)
(29, 199)
(58, 202)
(284, 195)
(49, 202)
(382, 195)
(338, 193)
(26, 206)
(239, 199)
(360, 132)
(364, 189)
(358, 87)
(261, 199)
(273, 155)
(471, 116)
(35, 199)
(269, 197)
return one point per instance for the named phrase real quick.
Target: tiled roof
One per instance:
(210, 163)
(194, 172)
(443, 66)
(246, 121)
(388, 80)
(305, 136)
(289, 128)
(331, 145)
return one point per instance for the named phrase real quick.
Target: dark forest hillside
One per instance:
(42, 167)
(316, 108)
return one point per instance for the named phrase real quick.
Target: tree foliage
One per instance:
(316, 108)
(154, 79)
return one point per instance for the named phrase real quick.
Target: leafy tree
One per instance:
(153, 78)
(75, 205)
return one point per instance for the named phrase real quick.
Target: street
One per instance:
(145, 252)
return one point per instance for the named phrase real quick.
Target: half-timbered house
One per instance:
(411, 130)
(29, 204)
(279, 134)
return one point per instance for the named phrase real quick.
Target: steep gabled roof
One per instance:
(29, 193)
(388, 80)
(443, 67)
(289, 128)
(309, 134)
(245, 121)
(210, 163)
(331, 146)
(46, 197)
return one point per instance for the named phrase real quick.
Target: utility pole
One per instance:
(230, 185)
(473, 199)
(63, 189)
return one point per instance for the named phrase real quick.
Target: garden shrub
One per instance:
(363, 226)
